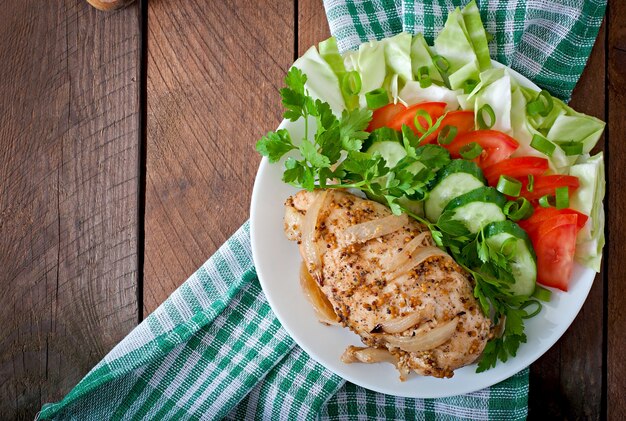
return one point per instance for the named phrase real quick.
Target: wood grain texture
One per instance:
(68, 169)
(616, 252)
(312, 24)
(566, 382)
(214, 70)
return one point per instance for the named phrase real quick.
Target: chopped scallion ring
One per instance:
(509, 186)
(351, 83)
(543, 145)
(471, 150)
(546, 201)
(469, 85)
(491, 116)
(542, 294)
(531, 183)
(509, 247)
(542, 105)
(518, 209)
(571, 148)
(561, 197)
(441, 63)
(530, 303)
(377, 98)
(447, 135)
(423, 76)
(417, 121)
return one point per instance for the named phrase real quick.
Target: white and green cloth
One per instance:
(548, 41)
(215, 350)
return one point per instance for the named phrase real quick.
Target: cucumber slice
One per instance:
(453, 180)
(523, 262)
(392, 152)
(478, 208)
(382, 134)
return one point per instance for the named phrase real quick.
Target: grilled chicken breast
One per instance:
(381, 276)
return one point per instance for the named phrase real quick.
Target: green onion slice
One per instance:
(531, 183)
(441, 63)
(543, 145)
(542, 105)
(509, 247)
(491, 116)
(469, 85)
(423, 76)
(471, 150)
(509, 186)
(528, 303)
(351, 83)
(377, 98)
(571, 148)
(546, 201)
(417, 120)
(447, 135)
(561, 197)
(542, 294)
(518, 209)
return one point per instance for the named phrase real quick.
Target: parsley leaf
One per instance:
(275, 144)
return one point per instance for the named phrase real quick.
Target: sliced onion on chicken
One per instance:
(369, 230)
(322, 306)
(357, 354)
(400, 324)
(417, 257)
(425, 340)
(402, 257)
(308, 246)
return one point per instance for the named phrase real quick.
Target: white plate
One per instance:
(277, 262)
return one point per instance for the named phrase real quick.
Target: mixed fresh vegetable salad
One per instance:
(500, 173)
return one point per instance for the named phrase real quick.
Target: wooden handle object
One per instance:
(109, 4)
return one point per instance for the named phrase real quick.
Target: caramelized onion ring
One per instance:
(323, 308)
(308, 246)
(400, 324)
(369, 230)
(417, 257)
(423, 341)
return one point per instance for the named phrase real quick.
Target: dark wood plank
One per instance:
(312, 24)
(214, 70)
(616, 281)
(566, 383)
(68, 203)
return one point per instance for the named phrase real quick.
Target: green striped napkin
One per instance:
(215, 350)
(548, 41)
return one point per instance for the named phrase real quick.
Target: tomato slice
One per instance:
(516, 167)
(555, 245)
(547, 184)
(383, 115)
(532, 224)
(462, 120)
(497, 146)
(434, 109)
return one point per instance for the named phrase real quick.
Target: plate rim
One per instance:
(520, 362)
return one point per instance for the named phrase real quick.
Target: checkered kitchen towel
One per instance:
(215, 350)
(548, 41)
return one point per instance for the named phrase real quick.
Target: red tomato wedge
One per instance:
(497, 146)
(462, 120)
(555, 245)
(434, 110)
(547, 184)
(516, 167)
(383, 115)
(532, 224)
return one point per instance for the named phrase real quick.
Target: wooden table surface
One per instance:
(127, 157)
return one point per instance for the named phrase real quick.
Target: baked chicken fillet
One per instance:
(381, 276)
